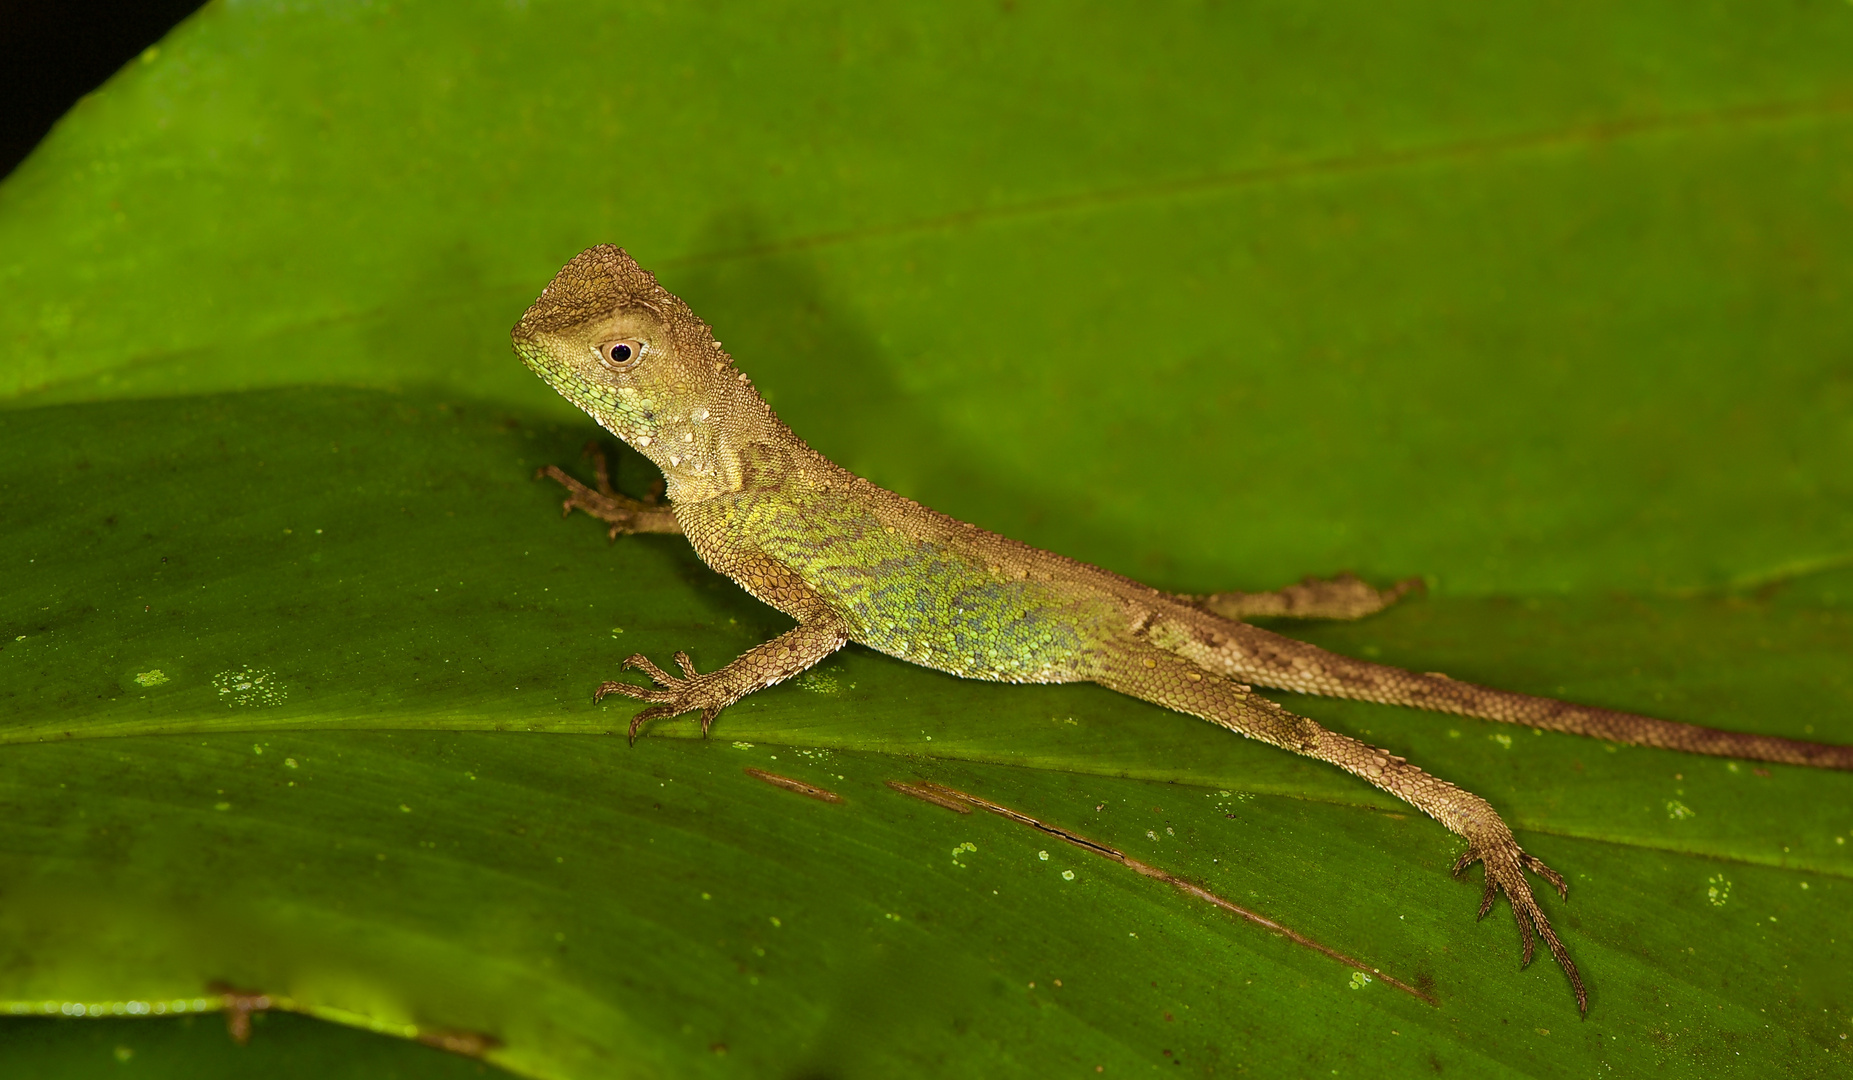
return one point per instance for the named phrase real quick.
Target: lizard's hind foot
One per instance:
(1506, 864)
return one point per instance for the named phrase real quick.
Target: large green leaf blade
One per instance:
(1551, 317)
(408, 885)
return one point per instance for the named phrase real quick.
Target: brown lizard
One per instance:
(850, 561)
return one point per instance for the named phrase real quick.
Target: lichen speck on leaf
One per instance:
(250, 687)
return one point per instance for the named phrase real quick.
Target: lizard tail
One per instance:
(1257, 656)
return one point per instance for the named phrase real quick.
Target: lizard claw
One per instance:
(670, 697)
(1506, 864)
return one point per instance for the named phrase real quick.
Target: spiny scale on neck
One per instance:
(695, 435)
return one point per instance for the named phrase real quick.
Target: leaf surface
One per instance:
(296, 665)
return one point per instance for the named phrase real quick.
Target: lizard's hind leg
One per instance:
(1143, 670)
(1346, 596)
(1264, 658)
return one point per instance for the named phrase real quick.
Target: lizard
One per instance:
(852, 562)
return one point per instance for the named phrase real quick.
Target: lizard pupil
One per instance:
(621, 353)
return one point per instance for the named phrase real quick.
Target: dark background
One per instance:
(53, 52)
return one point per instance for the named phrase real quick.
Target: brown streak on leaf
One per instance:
(922, 793)
(942, 795)
(467, 1043)
(799, 786)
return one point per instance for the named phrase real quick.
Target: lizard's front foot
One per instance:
(1346, 596)
(1506, 864)
(623, 513)
(672, 696)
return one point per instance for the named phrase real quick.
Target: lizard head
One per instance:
(635, 358)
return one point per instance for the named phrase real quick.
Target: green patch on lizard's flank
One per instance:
(1539, 302)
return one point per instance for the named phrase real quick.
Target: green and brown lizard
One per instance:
(851, 561)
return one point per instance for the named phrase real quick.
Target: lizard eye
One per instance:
(621, 355)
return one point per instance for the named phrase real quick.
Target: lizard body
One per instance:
(851, 561)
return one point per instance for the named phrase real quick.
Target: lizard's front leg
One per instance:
(1343, 597)
(761, 666)
(1145, 671)
(623, 513)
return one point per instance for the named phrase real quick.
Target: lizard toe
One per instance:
(1486, 898)
(1536, 866)
(640, 662)
(641, 693)
(654, 712)
(1506, 864)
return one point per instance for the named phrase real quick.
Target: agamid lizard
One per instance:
(851, 561)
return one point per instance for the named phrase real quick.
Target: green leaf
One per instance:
(284, 1047)
(296, 659)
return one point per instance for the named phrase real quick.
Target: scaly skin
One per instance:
(853, 562)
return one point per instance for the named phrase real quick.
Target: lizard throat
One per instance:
(695, 439)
